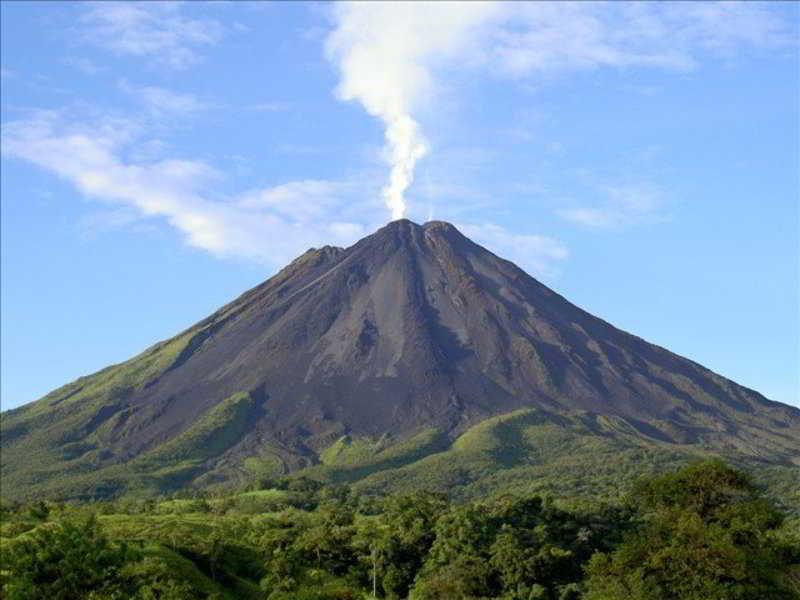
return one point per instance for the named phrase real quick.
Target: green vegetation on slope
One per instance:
(167, 467)
(580, 456)
(64, 435)
(177, 460)
(350, 460)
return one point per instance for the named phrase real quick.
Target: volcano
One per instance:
(368, 361)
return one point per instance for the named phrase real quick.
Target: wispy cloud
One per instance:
(270, 107)
(158, 31)
(310, 199)
(160, 101)
(622, 206)
(112, 219)
(269, 225)
(82, 64)
(562, 36)
(537, 254)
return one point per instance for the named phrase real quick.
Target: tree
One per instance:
(73, 559)
(707, 534)
(39, 511)
(215, 550)
(327, 543)
(465, 578)
(394, 544)
(66, 560)
(526, 548)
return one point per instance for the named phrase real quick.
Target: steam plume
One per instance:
(383, 51)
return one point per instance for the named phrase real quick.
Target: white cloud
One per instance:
(307, 200)
(112, 219)
(562, 36)
(270, 225)
(157, 31)
(537, 254)
(623, 206)
(82, 64)
(160, 101)
(270, 107)
(557, 37)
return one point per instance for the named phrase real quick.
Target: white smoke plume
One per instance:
(386, 52)
(383, 51)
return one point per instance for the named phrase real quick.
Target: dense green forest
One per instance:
(705, 532)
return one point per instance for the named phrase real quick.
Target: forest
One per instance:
(703, 532)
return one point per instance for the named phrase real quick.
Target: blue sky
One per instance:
(160, 159)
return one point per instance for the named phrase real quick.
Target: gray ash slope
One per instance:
(413, 327)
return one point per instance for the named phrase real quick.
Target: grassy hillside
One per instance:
(578, 455)
(63, 445)
(55, 445)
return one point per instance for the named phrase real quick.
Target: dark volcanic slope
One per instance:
(412, 327)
